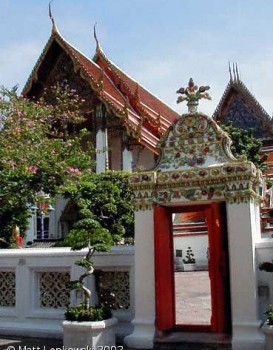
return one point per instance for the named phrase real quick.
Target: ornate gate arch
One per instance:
(195, 167)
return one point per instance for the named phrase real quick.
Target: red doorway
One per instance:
(166, 317)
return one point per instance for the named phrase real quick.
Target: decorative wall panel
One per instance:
(53, 290)
(7, 288)
(114, 289)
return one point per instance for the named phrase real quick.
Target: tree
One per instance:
(103, 200)
(40, 149)
(103, 203)
(88, 233)
(244, 143)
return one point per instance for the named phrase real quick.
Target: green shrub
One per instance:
(80, 313)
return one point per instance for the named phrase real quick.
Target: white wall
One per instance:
(143, 158)
(198, 244)
(264, 251)
(27, 317)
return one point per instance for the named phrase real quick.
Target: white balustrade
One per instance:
(33, 294)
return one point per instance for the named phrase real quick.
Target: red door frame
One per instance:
(165, 301)
(218, 268)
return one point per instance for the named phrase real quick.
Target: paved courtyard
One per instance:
(193, 298)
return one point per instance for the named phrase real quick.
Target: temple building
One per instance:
(125, 121)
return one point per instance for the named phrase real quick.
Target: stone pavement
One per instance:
(192, 298)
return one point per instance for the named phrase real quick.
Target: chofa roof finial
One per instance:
(237, 73)
(230, 74)
(98, 48)
(192, 95)
(234, 73)
(54, 28)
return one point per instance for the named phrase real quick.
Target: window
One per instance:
(42, 227)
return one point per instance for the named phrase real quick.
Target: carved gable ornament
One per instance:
(196, 165)
(194, 140)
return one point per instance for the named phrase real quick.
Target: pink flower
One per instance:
(17, 129)
(33, 169)
(72, 170)
(12, 163)
(30, 123)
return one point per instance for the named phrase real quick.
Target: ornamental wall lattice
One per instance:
(7, 288)
(52, 289)
(114, 289)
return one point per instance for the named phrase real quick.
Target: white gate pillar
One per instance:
(242, 235)
(144, 321)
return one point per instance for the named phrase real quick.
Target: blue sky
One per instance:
(160, 43)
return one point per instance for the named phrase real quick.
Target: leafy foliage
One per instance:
(80, 313)
(74, 285)
(40, 149)
(244, 143)
(189, 258)
(266, 266)
(104, 201)
(269, 313)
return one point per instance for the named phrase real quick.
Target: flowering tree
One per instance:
(40, 149)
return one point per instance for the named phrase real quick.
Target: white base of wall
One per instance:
(142, 336)
(248, 336)
(268, 331)
(54, 330)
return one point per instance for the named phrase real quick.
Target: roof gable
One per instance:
(145, 117)
(241, 109)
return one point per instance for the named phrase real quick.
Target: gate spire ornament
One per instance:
(192, 95)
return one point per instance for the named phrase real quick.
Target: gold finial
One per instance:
(54, 27)
(234, 74)
(237, 73)
(50, 13)
(98, 48)
(192, 95)
(230, 74)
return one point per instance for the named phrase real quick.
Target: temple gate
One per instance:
(196, 172)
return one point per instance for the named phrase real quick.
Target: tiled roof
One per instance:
(45, 243)
(145, 117)
(237, 87)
